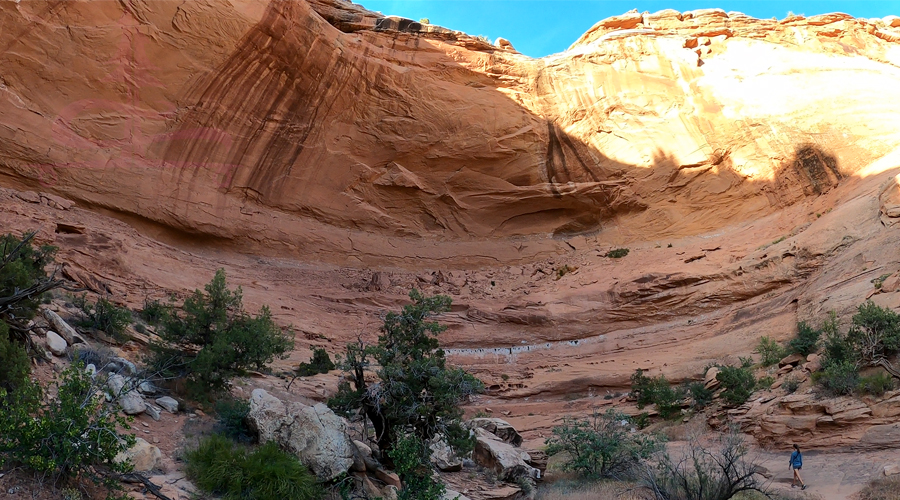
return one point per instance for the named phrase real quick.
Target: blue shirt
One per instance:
(796, 460)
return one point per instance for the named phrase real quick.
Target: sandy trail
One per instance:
(831, 475)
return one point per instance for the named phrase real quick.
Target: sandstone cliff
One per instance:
(749, 165)
(322, 128)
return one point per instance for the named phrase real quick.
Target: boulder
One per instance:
(388, 478)
(365, 453)
(813, 363)
(442, 456)
(56, 344)
(143, 455)
(153, 411)
(314, 434)
(169, 404)
(132, 403)
(790, 359)
(60, 326)
(500, 428)
(507, 461)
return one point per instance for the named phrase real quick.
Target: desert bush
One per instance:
(838, 378)
(411, 457)
(700, 395)
(14, 363)
(604, 445)
(656, 391)
(231, 418)
(738, 383)
(617, 253)
(416, 392)
(320, 363)
(424, 20)
(703, 472)
(806, 340)
(769, 351)
(765, 382)
(877, 384)
(875, 334)
(214, 340)
(103, 315)
(222, 467)
(881, 488)
(790, 385)
(23, 280)
(154, 311)
(74, 434)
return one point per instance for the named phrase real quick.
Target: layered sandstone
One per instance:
(749, 166)
(323, 129)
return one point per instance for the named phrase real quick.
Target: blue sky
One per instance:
(541, 27)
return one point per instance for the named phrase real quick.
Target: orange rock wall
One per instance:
(325, 130)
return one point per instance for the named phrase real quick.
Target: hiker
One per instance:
(797, 464)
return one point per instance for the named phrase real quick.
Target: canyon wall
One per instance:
(323, 130)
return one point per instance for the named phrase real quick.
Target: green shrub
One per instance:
(657, 391)
(603, 445)
(806, 340)
(790, 385)
(23, 280)
(738, 384)
(877, 384)
(155, 312)
(618, 253)
(417, 393)
(14, 363)
(103, 315)
(72, 435)
(231, 415)
(765, 382)
(424, 20)
(700, 395)
(221, 467)
(411, 457)
(320, 363)
(770, 351)
(230, 341)
(838, 378)
(875, 333)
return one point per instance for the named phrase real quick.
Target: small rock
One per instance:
(387, 477)
(890, 470)
(790, 359)
(168, 403)
(132, 403)
(710, 381)
(91, 369)
(147, 387)
(60, 326)
(56, 343)
(143, 455)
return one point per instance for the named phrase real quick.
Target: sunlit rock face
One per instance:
(299, 126)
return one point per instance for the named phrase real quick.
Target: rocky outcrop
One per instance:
(507, 461)
(499, 428)
(314, 434)
(812, 421)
